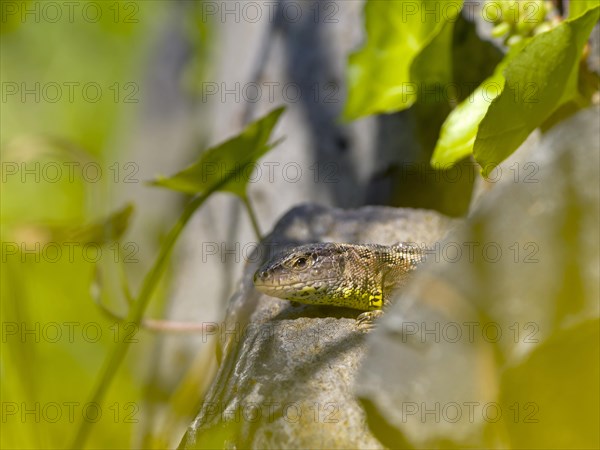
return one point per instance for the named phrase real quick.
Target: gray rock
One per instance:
(286, 377)
(501, 349)
(320, 160)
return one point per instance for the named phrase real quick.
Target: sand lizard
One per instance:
(347, 275)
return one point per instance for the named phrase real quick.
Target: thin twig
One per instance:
(253, 218)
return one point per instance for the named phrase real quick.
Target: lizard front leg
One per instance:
(366, 320)
(378, 302)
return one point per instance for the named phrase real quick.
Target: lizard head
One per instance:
(304, 274)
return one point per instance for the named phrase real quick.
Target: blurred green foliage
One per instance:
(407, 51)
(72, 86)
(249, 145)
(559, 417)
(380, 74)
(85, 60)
(543, 76)
(65, 86)
(73, 78)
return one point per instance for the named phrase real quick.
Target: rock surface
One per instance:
(499, 347)
(286, 377)
(374, 160)
(493, 344)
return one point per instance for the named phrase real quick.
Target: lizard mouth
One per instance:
(274, 280)
(271, 287)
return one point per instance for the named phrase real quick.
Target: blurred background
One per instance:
(98, 99)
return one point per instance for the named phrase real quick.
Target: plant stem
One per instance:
(252, 216)
(136, 312)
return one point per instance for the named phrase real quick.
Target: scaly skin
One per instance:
(347, 275)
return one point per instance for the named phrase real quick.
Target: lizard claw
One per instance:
(366, 321)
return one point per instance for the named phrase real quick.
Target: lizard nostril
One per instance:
(260, 275)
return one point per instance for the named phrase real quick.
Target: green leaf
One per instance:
(458, 132)
(230, 163)
(541, 78)
(579, 7)
(103, 231)
(434, 63)
(380, 78)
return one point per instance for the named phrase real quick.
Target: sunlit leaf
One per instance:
(458, 132)
(234, 158)
(381, 77)
(539, 79)
(434, 63)
(579, 7)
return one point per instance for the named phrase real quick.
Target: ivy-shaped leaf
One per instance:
(539, 79)
(458, 132)
(381, 77)
(229, 164)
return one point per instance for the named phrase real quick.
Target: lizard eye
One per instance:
(300, 263)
